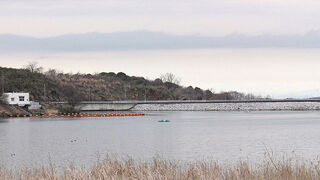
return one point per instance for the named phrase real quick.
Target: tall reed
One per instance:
(115, 169)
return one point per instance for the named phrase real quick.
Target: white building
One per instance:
(20, 99)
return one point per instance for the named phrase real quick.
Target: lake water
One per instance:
(222, 136)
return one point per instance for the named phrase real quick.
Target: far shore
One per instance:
(7, 111)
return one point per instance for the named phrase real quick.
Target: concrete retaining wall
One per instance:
(198, 106)
(257, 106)
(105, 107)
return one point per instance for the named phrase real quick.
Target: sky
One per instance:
(266, 70)
(43, 18)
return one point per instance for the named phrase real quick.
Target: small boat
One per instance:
(164, 121)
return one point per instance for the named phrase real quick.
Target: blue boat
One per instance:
(164, 121)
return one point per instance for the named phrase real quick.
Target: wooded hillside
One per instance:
(57, 86)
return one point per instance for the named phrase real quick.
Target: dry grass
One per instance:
(115, 169)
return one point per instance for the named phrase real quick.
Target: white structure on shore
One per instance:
(34, 105)
(20, 99)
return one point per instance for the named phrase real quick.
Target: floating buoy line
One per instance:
(70, 115)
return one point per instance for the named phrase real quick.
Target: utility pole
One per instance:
(44, 90)
(145, 93)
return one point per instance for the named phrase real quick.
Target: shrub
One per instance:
(68, 109)
(3, 99)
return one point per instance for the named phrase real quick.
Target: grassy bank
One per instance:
(166, 169)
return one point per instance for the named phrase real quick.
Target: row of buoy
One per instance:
(80, 115)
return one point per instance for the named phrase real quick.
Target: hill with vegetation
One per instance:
(53, 85)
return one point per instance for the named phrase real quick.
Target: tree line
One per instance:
(54, 85)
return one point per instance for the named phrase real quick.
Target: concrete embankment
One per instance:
(105, 106)
(256, 106)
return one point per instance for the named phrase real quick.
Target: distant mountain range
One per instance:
(141, 40)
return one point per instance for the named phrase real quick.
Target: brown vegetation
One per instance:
(3, 99)
(171, 170)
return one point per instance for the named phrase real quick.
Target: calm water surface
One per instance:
(223, 136)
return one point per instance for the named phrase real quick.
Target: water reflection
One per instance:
(224, 136)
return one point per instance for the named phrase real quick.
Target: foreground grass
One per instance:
(115, 169)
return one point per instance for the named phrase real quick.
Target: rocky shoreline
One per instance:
(257, 106)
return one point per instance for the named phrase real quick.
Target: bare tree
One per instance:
(3, 98)
(169, 77)
(34, 67)
(72, 95)
(51, 73)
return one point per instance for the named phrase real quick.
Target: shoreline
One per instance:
(7, 111)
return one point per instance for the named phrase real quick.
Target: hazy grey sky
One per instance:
(264, 70)
(201, 17)
(277, 72)
(146, 40)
